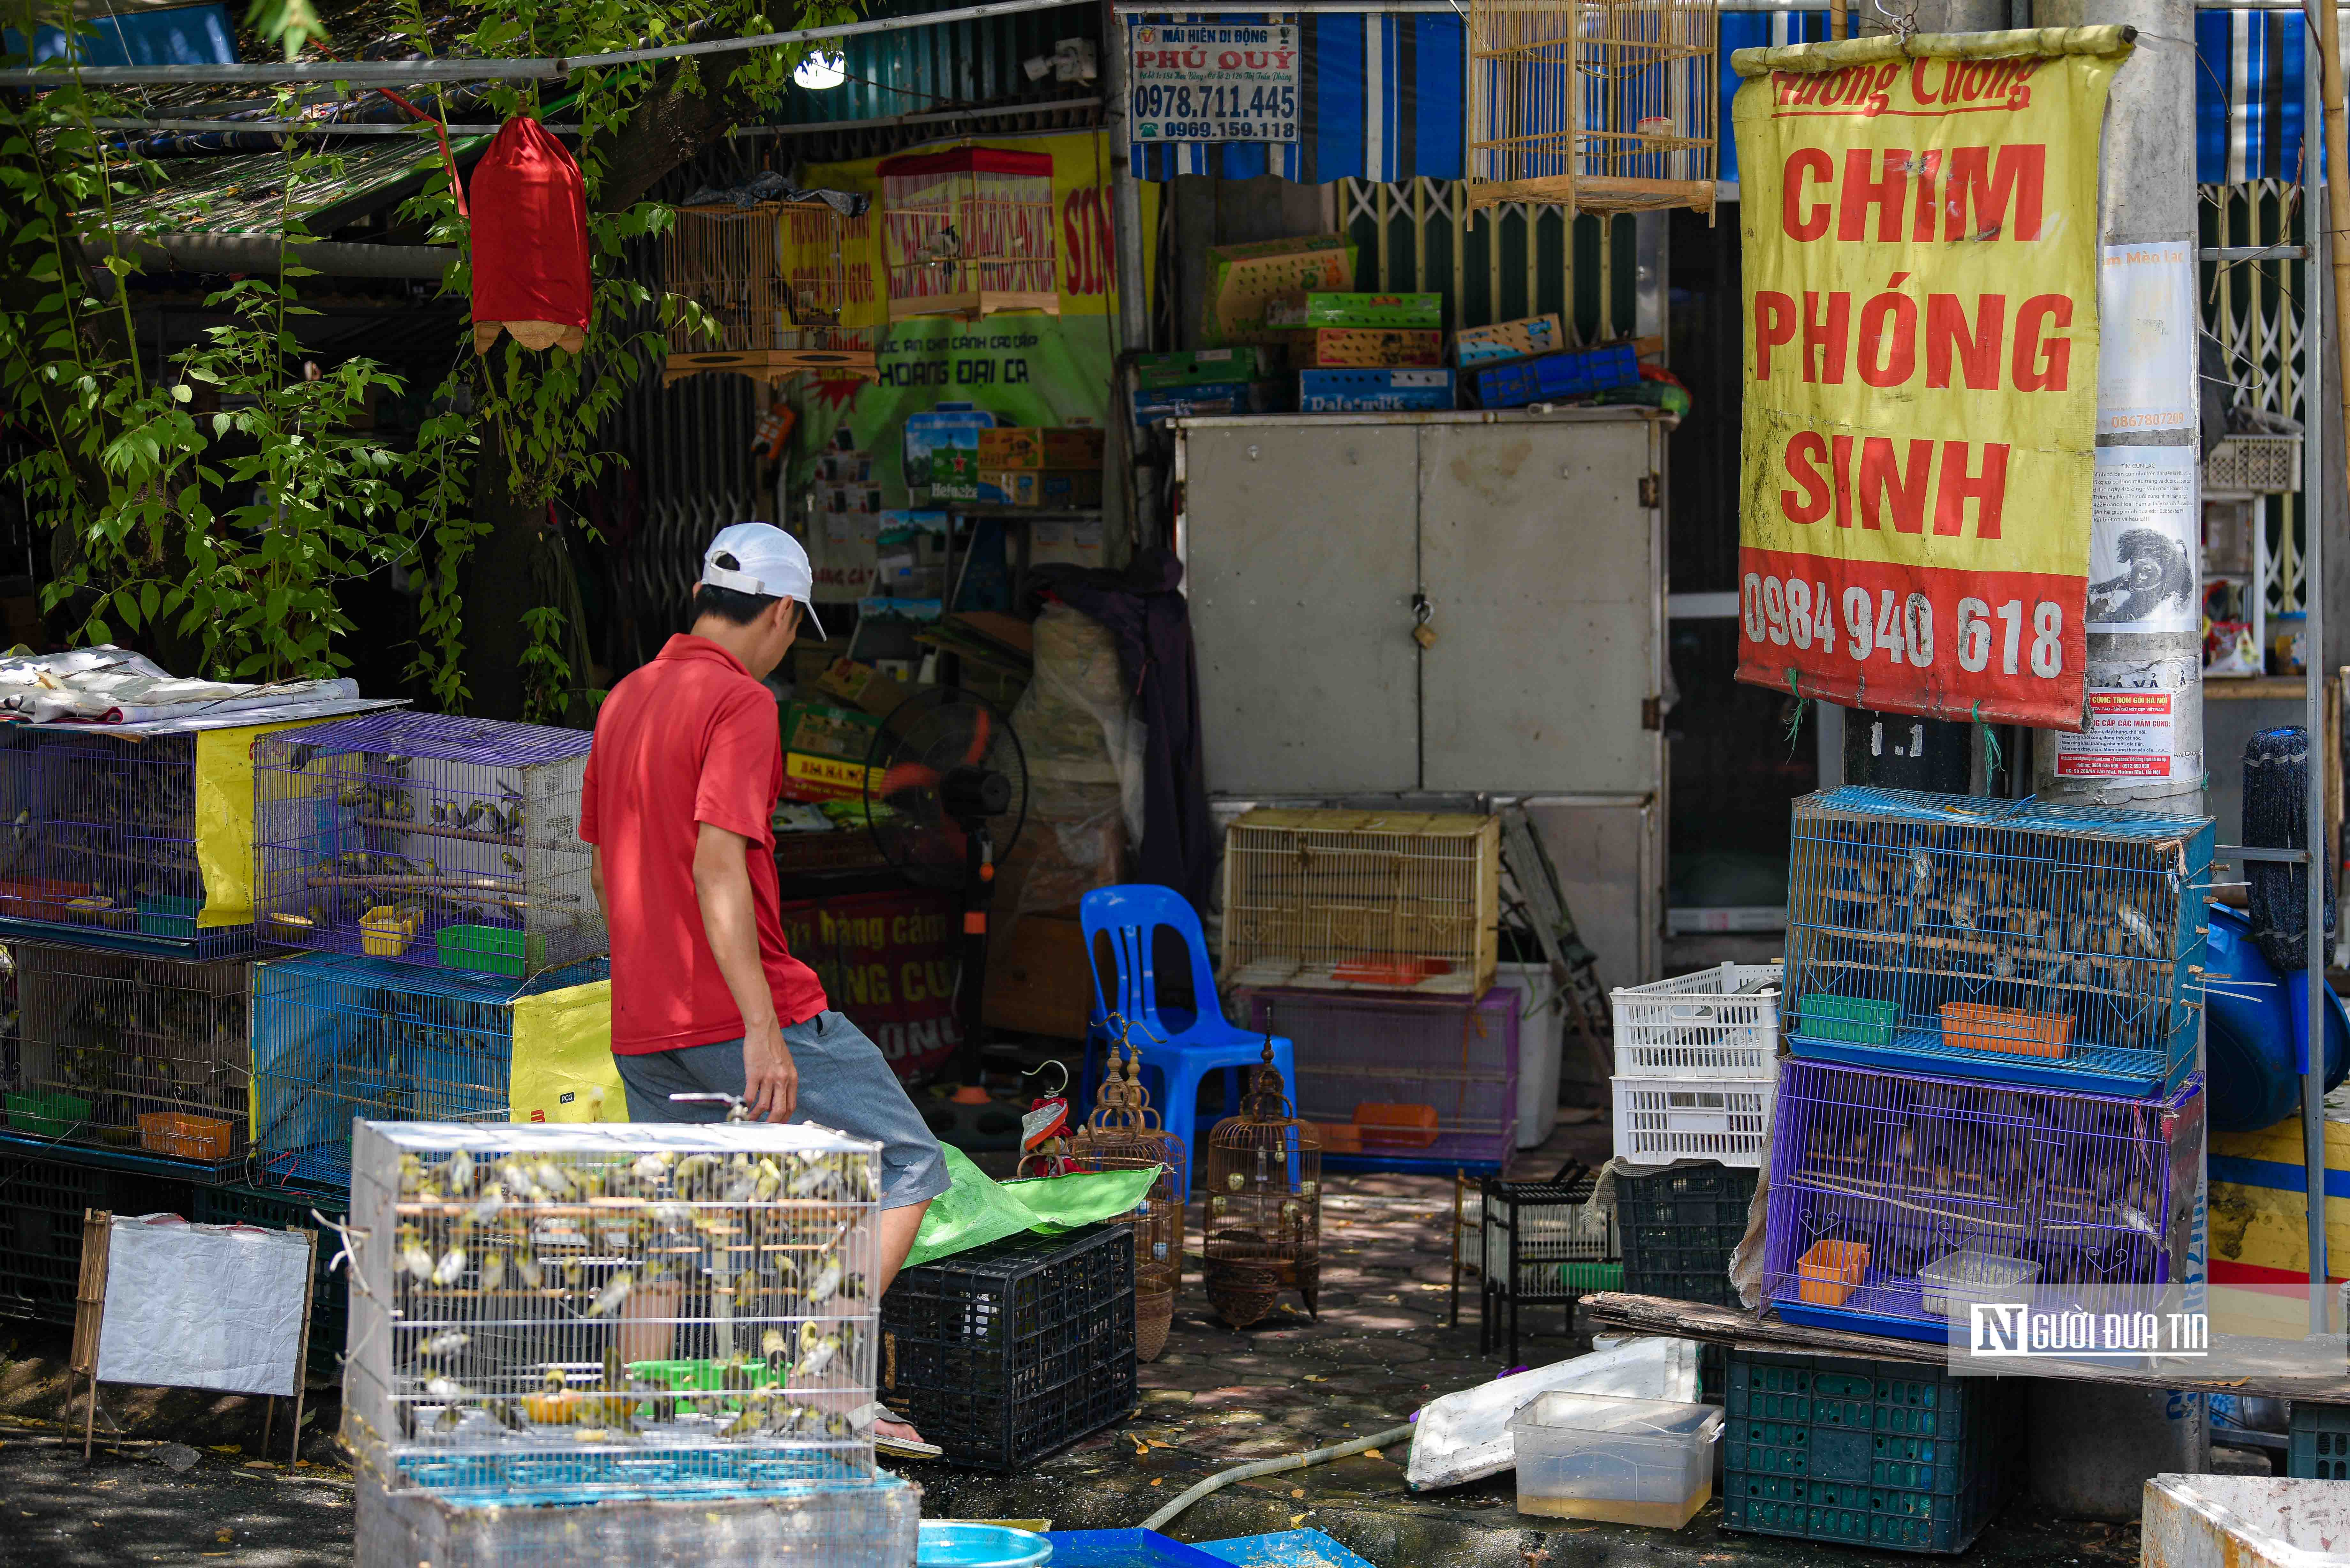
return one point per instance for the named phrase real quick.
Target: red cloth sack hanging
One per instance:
(530, 242)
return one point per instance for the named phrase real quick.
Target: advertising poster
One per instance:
(1922, 371)
(1217, 82)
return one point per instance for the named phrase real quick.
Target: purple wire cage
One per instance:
(1890, 1193)
(1451, 1054)
(426, 839)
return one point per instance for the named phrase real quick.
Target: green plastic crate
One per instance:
(1870, 1453)
(1207, 367)
(1591, 1276)
(47, 1115)
(169, 917)
(1856, 1021)
(1421, 311)
(2318, 1447)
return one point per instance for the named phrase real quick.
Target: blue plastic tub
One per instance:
(1284, 1549)
(959, 1543)
(1125, 1549)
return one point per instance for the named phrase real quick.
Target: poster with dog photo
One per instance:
(2142, 540)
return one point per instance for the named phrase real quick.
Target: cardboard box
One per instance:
(1007, 486)
(1406, 311)
(1372, 391)
(1153, 405)
(1520, 340)
(1075, 446)
(1370, 347)
(1244, 280)
(1066, 488)
(1039, 980)
(1208, 366)
(1010, 446)
(949, 428)
(824, 750)
(1072, 541)
(864, 687)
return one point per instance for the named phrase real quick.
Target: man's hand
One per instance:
(771, 1082)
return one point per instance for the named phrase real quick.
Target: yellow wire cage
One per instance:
(1602, 106)
(774, 279)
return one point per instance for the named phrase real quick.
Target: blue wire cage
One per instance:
(2058, 947)
(336, 1038)
(427, 839)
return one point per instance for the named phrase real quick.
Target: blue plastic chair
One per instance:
(1180, 1056)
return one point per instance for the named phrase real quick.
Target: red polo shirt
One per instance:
(690, 738)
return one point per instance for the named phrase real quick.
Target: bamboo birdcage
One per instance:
(970, 232)
(1603, 106)
(1264, 1226)
(1124, 1134)
(774, 278)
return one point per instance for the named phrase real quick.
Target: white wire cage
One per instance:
(1602, 106)
(567, 1312)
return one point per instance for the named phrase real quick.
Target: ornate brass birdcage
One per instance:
(774, 280)
(1604, 105)
(1264, 1203)
(1124, 1134)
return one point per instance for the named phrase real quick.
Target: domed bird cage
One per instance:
(1264, 1203)
(774, 279)
(1603, 106)
(969, 231)
(1124, 1134)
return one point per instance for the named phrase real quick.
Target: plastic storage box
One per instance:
(1720, 1023)
(1623, 1461)
(1679, 1227)
(1661, 1120)
(1012, 1350)
(1567, 374)
(1882, 1454)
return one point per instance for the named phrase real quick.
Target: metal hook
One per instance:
(1060, 1090)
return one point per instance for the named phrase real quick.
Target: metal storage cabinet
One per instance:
(1534, 543)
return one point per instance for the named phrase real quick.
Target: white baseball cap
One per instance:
(761, 558)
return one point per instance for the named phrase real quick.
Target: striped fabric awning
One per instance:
(1381, 97)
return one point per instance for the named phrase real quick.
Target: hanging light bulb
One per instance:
(819, 73)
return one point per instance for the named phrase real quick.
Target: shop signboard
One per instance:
(1921, 370)
(1213, 81)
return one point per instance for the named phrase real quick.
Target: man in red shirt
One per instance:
(682, 777)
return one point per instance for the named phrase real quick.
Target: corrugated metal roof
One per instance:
(953, 65)
(243, 193)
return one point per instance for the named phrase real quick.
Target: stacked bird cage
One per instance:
(2043, 945)
(1263, 1227)
(339, 1038)
(127, 1052)
(1895, 1200)
(970, 232)
(1124, 1134)
(428, 840)
(1601, 106)
(568, 1314)
(774, 279)
(102, 842)
(1358, 899)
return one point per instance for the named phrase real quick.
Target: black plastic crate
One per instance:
(41, 1205)
(1871, 1453)
(1678, 1229)
(2317, 1447)
(330, 1300)
(1012, 1350)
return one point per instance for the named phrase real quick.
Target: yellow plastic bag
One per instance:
(563, 1069)
(224, 820)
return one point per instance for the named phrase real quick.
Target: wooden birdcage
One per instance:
(774, 277)
(969, 231)
(1603, 106)
(1124, 1134)
(1264, 1203)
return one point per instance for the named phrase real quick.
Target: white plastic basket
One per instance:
(1720, 1023)
(1972, 1276)
(1662, 1119)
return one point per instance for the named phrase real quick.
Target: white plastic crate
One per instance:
(1720, 1023)
(1659, 1120)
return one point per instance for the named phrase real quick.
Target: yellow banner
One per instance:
(1921, 226)
(1083, 249)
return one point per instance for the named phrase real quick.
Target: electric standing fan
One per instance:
(946, 792)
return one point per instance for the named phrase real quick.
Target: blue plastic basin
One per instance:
(956, 1543)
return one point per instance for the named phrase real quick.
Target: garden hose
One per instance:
(1224, 1479)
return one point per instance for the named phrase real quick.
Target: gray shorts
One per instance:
(844, 1085)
